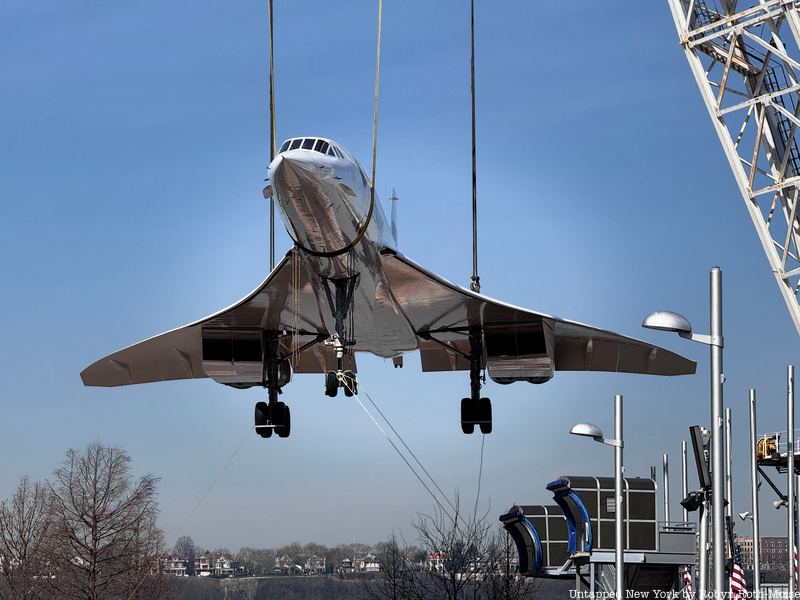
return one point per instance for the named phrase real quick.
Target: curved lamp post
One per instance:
(670, 321)
(594, 432)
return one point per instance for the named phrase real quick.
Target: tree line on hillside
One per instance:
(91, 533)
(458, 556)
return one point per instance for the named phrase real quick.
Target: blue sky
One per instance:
(133, 152)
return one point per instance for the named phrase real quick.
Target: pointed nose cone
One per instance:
(291, 173)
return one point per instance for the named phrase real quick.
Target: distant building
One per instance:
(176, 564)
(774, 553)
(436, 561)
(202, 565)
(346, 566)
(226, 567)
(369, 564)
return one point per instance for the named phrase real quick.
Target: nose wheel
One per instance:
(346, 381)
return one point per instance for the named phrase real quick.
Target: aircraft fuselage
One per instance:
(339, 227)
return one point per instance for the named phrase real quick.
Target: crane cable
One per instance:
(475, 286)
(273, 149)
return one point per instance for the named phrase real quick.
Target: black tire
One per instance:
(349, 383)
(467, 415)
(262, 418)
(286, 423)
(485, 415)
(331, 384)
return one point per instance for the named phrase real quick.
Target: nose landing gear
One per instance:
(344, 379)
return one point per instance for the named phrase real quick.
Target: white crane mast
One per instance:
(742, 60)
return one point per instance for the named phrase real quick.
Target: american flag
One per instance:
(794, 551)
(687, 582)
(738, 585)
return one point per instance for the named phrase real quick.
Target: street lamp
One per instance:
(594, 432)
(670, 321)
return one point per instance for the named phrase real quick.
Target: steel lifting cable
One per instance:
(475, 286)
(196, 506)
(346, 384)
(273, 148)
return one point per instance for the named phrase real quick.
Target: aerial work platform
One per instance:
(771, 451)
(575, 537)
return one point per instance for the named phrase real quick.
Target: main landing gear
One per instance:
(475, 410)
(275, 416)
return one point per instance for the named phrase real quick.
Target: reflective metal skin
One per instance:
(344, 288)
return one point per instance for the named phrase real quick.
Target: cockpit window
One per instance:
(315, 144)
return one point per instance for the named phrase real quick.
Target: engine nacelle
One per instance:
(235, 357)
(521, 352)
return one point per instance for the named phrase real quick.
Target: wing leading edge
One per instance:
(442, 314)
(178, 354)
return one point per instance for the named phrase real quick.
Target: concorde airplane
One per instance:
(344, 288)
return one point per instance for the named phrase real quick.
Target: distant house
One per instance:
(226, 567)
(369, 564)
(346, 566)
(202, 565)
(315, 565)
(176, 564)
(436, 561)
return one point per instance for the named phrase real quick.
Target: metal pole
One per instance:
(717, 449)
(728, 463)
(684, 479)
(619, 562)
(790, 474)
(754, 498)
(666, 490)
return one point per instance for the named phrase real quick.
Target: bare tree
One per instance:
(502, 578)
(185, 547)
(106, 543)
(463, 559)
(257, 562)
(24, 522)
(458, 549)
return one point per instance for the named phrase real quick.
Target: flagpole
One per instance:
(791, 478)
(754, 499)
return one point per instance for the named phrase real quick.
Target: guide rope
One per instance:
(346, 384)
(196, 506)
(480, 477)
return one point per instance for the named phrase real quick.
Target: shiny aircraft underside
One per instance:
(344, 288)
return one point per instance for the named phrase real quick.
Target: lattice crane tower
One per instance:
(742, 60)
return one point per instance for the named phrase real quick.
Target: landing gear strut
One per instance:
(274, 416)
(475, 410)
(340, 300)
